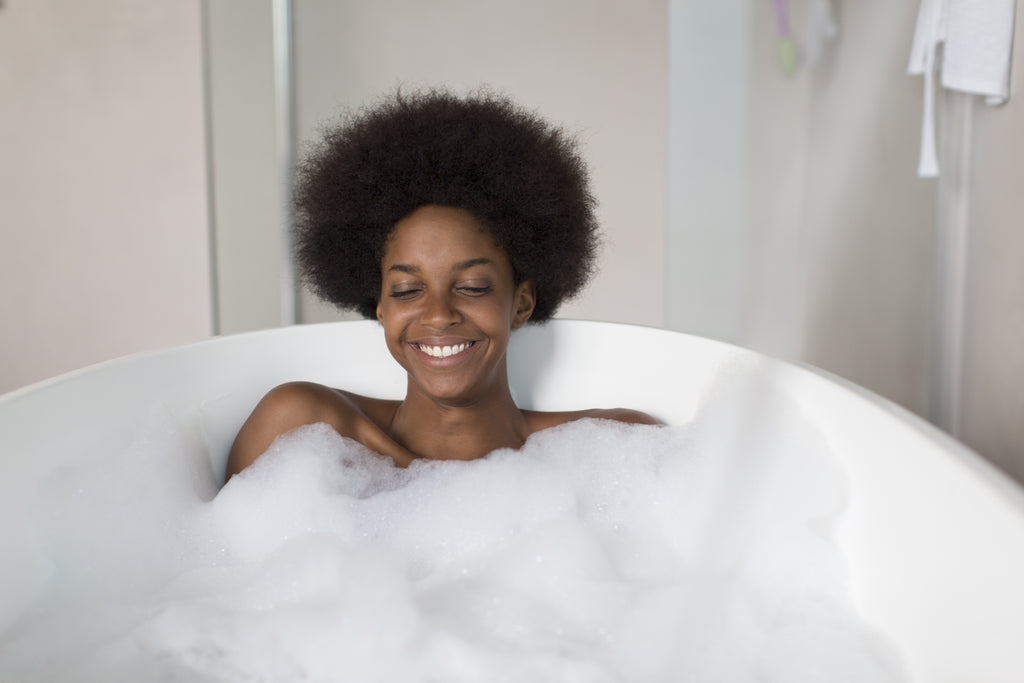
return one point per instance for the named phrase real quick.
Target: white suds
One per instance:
(598, 552)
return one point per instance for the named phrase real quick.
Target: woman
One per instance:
(453, 221)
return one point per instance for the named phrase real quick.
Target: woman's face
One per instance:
(448, 303)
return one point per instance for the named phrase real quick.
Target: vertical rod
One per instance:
(211, 194)
(284, 104)
(950, 272)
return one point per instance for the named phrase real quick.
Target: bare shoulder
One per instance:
(306, 402)
(545, 420)
(299, 400)
(295, 404)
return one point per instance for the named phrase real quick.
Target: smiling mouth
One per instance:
(444, 351)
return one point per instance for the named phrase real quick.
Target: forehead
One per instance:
(435, 234)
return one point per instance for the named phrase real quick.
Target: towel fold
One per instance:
(977, 40)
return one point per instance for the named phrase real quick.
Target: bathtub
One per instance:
(932, 535)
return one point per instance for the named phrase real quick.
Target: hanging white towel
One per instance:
(977, 39)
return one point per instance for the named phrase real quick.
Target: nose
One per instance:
(439, 311)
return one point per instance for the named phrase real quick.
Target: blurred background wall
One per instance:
(146, 149)
(104, 229)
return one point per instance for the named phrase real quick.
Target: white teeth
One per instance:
(443, 351)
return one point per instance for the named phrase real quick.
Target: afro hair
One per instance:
(520, 177)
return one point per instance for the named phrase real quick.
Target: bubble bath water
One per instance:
(597, 552)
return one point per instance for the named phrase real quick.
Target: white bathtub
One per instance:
(933, 536)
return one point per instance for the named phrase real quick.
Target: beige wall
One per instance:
(805, 232)
(600, 69)
(865, 221)
(103, 221)
(992, 410)
(844, 255)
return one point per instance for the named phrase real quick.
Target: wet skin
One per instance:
(448, 305)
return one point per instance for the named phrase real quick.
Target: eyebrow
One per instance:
(464, 265)
(470, 263)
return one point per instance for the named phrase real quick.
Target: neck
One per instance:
(435, 430)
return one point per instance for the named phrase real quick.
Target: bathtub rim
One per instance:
(1001, 482)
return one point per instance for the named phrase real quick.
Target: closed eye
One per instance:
(475, 291)
(404, 293)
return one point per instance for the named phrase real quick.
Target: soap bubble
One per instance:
(599, 551)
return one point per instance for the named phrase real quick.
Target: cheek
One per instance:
(390, 319)
(393, 337)
(498, 317)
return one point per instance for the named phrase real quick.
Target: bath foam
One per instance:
(597, 552)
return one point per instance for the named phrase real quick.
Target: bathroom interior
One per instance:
(147, 163)
(779, 203)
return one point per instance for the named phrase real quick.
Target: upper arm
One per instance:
(626, 415)
(296, 404)
(543, 420)
(282, 409)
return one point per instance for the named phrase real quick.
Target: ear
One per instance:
(380, 316)
(525, 300)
